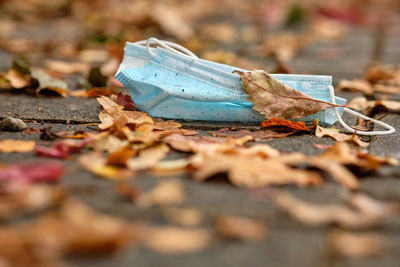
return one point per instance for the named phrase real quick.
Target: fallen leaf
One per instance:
(294, 125)
(354, 217)
(241, 228)
(126, 102)
(32, 172)
(338, 136)
(16, 146)
(148, 158)
(252, 172)
(356, 245)
(97, 164)
(183, 216)
(29, 199)
(356, 85)
(65, 67)
(220, 32)
(120, 157)
(175, 240)
(48, 83)
(127, 191)
(47, 134)
(84, 232)
(165, 193)
(274, 99)
(204, 144)
(362, 104)
(257, 135)
(62, 149)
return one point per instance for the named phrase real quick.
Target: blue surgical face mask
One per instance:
(171, 82)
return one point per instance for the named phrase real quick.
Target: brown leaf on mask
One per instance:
(16, 146)
(165, 193)
(148, 158)
(356, 245)
(294, 125)
(274, 99)
(176, 240)
(338, 136)
(240, 228)
(251, 172)
(354, 216)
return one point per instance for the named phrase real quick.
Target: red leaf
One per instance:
(51, 152)
(126, 102)
(33, 172)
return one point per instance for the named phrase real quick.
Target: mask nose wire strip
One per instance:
(389, 128)
(170, 46)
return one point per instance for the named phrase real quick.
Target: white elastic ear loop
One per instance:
(389, 128)
(170, 46)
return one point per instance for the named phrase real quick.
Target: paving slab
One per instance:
(57, 109)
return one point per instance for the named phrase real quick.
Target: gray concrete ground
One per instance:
(289, 243)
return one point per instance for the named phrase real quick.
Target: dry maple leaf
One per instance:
(175, 240)
(274, 99)
(234, 227)
(16, 146)
(356, 245)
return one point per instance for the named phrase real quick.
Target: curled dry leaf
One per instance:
(294, 125)
(321, 214)
(234, 227)
(274, 99)
(184, 217)
(338, 136)
(356, 245)
(16, 146)
(165, 193)
(175, 240)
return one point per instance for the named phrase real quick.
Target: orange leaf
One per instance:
(295, 125)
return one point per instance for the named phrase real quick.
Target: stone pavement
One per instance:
(289, 243)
